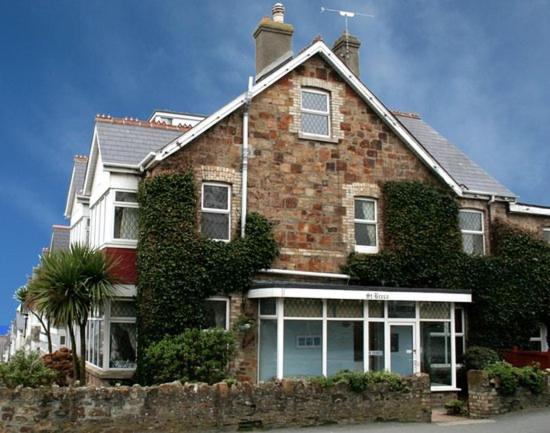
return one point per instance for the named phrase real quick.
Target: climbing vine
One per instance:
(178, 268)
(510, 288)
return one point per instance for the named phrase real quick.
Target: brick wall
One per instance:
(193, 407)
(485, 401)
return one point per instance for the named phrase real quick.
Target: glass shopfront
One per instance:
(302, 337)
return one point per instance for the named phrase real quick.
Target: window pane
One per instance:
(126, 223)
(314, 101)
(472, 243)
(268, 349)
(376, 346)
(364, 210)
(128, 197)
(401, 309)
(216, 314)
(435, 346)
(215, 197)
(344, 346)
(123, 345)
(215, 225)
(344, 308)
(268, 307)
(303, 348)
(547, 235)
(315, 124)
(459, 326)
(435, 310)
(123, 309)
(470, 221)
(376, 309)
(365, 234)
(303, 308)
(459, 349)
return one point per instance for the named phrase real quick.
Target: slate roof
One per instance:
(61, 239)
(80, 164)
(128, 141)
(462, 169)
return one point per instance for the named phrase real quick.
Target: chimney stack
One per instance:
(273, 41)
(346, 47)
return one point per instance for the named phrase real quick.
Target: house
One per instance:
(308, 145)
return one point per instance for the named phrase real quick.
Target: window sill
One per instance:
(322, 138)
(366, 250)
(110, 373)
(444, 389)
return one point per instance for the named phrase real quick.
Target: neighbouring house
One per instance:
(308, 145)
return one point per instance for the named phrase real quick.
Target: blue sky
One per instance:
(477, 71)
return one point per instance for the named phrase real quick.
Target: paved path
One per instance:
(518, 422)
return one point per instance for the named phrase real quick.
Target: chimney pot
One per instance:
(278, 12)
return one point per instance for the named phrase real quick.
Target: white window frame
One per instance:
(415, 322)
(544, 231)
(317, 112)
(369, 249)
(123, 204)
(541, 339)
(475, 232)
(227, 307)
(218, 211)
(116, 319)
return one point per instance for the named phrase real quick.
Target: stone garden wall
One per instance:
(485, 401)
(180, 408)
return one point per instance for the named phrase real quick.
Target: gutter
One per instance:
(244, 177)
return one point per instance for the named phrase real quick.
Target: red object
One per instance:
(125, 269)
(521, 358)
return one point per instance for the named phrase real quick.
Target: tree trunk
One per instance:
(46, 329)
(76, 365)
(83, 352)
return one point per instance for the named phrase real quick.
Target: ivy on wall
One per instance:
(510, 288)
(178, 269)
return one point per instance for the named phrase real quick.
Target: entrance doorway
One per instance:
(402, 348)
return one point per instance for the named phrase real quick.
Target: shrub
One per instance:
(195, 355)
(27, 370)
(359, 381)
(508, 378)
(455, 407)
(478, 357)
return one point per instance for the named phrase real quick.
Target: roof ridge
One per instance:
(105, 118)
(406, 114)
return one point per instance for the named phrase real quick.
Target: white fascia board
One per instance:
(90, 169)
(116, 167)
(70, 196)
(371, 295)
(529, 209)
(318, 47)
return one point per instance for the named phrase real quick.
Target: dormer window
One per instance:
(473, 233)
(366, 223)
(126, 216)
(315, 111)
(216, 211)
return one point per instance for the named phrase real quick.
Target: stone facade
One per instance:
(485, 401)
(199, 407)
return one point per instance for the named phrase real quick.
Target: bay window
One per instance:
(126, 215)
(216, 211)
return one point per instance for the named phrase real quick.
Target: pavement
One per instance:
(532, 421)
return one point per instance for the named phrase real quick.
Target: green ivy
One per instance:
(178, 269)
(422, 248)
(509, 378)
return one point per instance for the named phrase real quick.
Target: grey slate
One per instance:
(461, 168)
(129, 144)
(79, 174)
(61, 239)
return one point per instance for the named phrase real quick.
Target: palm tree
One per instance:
(22, 295)
(67, 285)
